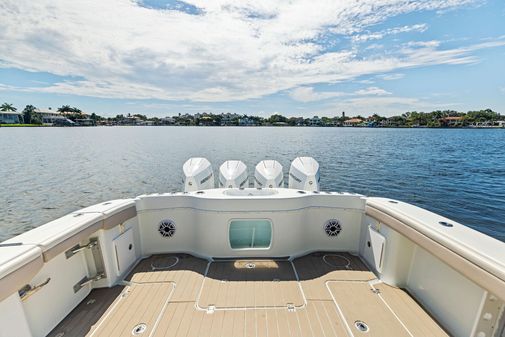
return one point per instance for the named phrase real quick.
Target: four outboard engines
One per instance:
(233, 174)
(268, 174)
(304, 174)
(198, 174)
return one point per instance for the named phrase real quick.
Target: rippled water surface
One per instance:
(48, 172)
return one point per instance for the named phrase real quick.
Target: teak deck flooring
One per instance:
(320, 294)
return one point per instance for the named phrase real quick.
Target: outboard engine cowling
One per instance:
(268, 174)
(233, 174)
(304, 174)
(198, 174)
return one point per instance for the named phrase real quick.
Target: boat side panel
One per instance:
(482, 250)
(452, 287)
(48, 306)
(54, 275)
(448, 295)
(18, 265)
(12, 318)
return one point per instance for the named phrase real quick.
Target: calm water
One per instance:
(48, 172)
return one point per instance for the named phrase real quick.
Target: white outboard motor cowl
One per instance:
(304, 174)
(268, 174)
(198, 174)
(233, 174)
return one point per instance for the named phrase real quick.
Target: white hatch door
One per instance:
(375, 248)
(125, 251)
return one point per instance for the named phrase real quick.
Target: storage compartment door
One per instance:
(375, 245)
(125, 252)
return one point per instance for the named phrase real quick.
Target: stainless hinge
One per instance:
(87, 280)
(77, 248)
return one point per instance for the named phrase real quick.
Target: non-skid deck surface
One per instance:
(142, 303)
(387, 311)
(318, 319)
(315, 269)
(186, 271)
(418, 322)
(82, 319)
(320, 294)
(251, 284)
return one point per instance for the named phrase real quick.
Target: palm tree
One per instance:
(29, 114)
(7, 107)
(65, 108)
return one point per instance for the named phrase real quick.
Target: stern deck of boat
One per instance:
(320, 294)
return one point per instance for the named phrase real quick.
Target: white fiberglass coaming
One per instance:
(455, 274)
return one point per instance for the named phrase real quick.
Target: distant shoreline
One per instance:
(72, 116)
(258, 126)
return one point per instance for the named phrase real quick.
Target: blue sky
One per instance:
(298, 58)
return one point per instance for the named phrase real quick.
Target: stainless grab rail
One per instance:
(28, 290)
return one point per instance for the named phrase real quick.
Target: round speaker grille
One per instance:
(166, 228)
(332, 227)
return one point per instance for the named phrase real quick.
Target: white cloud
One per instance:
(391, 77)
(367, 81)
(307, 94)
(390, 31)
(233, 50)
(372, 91)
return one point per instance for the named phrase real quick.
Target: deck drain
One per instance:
(139, 329)
(250, 265)
(361, 326)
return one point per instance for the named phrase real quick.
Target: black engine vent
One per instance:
(167, 228)
(332, 227)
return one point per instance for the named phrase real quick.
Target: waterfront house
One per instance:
(353, 122)
(51, 117)
(11, 117)
(168, 121)
(452, 121)
(331, 122)
(246, 121)
(206, 121)
(228, 119)
(488, 124)
(132, 120)
(315, 121)
(85, 122)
